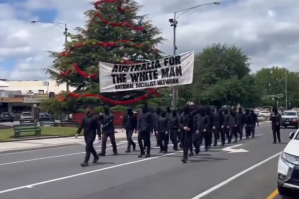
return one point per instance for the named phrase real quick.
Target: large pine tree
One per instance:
(102, 26)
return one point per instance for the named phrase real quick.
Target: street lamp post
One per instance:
(174, 23)
(66, 33)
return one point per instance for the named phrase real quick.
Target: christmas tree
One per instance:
(114, 33)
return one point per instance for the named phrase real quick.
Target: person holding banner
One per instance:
(145, 127)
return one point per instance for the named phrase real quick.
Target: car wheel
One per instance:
(284, 191)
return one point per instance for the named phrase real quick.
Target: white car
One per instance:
(288, 168)
(264, 114)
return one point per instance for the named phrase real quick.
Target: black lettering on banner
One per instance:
(168, 81)
(171, 61)
(124, 86)
(119, 78)
(144, 76)
(172, 72)
(146, 84)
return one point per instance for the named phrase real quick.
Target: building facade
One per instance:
(21, 96)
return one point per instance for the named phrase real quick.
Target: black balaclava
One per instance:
(158, 110)
(202, 112)
(89, 110)
(246, 111)
(174, 113)
(225, 111)
(106, 109)
(251, 112)
(144, 108)
(130, 111)
(163, 114)
(240, 110)
(168, 109)
(186, 110)
(274, 109)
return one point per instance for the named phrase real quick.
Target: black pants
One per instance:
(276, 133)
(234, 133)
(210, 130)
(223, 134)
(216, 135)
(174, 138)
(248, 130)
(89, 139)
(144, 137)
(240, 130)
(196, 141)
(206, 137)
(157, 139)
(186, 138)
(104, 142)
(163, 140)
(129, 134)
(253, 130)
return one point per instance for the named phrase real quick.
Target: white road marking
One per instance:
(81, 174)
(50, 157)
(234, 177)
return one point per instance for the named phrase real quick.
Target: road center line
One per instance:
(29, 186)
(201, 195)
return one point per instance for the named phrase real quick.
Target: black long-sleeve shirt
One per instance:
(130, 122)
(90, 125)
(163, 124)
(226, 120)
(202, 122)
(107, 122)
(174, 122)
(145, 122)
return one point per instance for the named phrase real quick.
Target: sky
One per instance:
(267, 31)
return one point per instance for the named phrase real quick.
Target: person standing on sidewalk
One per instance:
(90, 124)
(108, 131)
(130, 125)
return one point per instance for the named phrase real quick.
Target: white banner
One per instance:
(165, 72)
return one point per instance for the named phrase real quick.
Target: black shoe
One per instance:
(128, 151)
(102, 154)
(206, 148)
(165, 151)
(134, 147)
(84, 164)
(115, 153)
(274, 142)
(197, 151)
(215, 144)
(184, 160)
(141, 154)
(96, 159)
(147, 155)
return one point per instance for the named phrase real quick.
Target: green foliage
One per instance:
(273, 80)
(88, 56)
(221, 77)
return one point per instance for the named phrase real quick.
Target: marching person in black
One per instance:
(202, 129)
(275, 119)
(234, 126)
(155, 121)
(145, 127)
(163, 132)
(240, 122)
(130, 125)
(174, 129)
(196, 135)
(90, 124)
(108, 131)
(217, 119)
(186, 135)
(248, 123)
(226, 127)
(168, 112)
(210, 127)
(255, 122)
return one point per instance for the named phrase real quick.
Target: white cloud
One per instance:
(266, 30)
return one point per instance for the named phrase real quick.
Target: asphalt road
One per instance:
(56, 173)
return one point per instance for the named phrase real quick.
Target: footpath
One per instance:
(28, 145)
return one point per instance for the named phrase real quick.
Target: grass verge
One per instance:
(7, 134)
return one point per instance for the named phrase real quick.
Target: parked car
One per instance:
(44, 116)
(264, 114)
(288, 170)
(6, 117)
(26, 117)
(290, 118)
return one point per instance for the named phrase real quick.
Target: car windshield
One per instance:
(26, 114)
(289, 113)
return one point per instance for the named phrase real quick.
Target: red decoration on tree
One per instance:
(151, 91)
